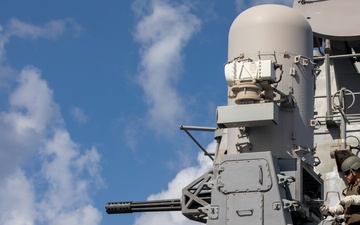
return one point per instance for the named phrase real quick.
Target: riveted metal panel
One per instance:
(245, 208)
(251, 175)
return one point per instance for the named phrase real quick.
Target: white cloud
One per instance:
(17, 200)
(66, 171)
(45, 177)
(78, 115)
(60, 192)
(163, 31)
(87, 215)
(181, 180)
(52, 29)
(242, 5)
(30, 109)
(24, 124)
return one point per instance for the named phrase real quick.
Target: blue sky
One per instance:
(92, 94)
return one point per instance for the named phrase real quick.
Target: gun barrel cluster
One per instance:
(146, 206)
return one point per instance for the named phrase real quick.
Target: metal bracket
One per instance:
(302, 60)
(211, 210)
(277, 206)
(285, 180)
(291, 205)
(211, 182)
(242, 145)
(315, 123)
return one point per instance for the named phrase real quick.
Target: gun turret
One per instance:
(146, 206)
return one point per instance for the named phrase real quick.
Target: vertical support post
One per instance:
(342, 99)
(329, 112)
(343, 132)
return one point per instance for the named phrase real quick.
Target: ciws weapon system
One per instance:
(291, 119)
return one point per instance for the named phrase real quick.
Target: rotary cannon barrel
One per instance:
(146, 206)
